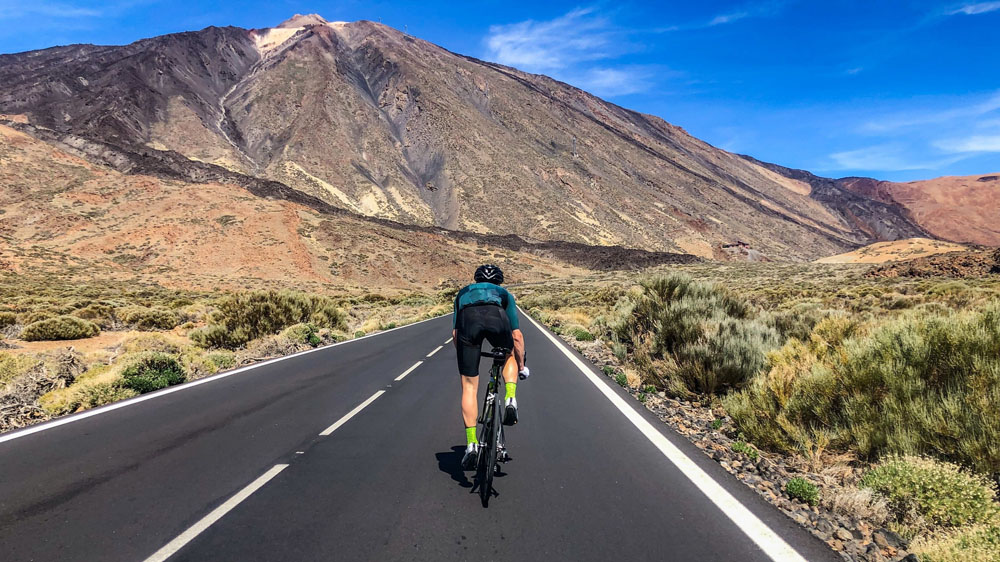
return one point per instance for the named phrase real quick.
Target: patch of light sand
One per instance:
(291, 168)
(267, 40)
(896, 250)
(796, 186)
(695, 246)
(410, 204)
(374, 202)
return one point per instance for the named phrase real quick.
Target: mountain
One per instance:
(63, 215)
(371, 120)
(957, 208)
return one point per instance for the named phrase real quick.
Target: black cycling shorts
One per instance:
(473, 325)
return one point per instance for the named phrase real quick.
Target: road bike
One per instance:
(493, 446)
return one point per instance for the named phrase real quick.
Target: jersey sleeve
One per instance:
(511, 309)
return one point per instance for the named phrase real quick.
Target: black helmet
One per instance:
(489, 273)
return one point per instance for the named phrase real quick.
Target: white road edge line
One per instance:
(351, 414)
(110, 407)
(435, 350)
(762, 535)
(408, 371)
(448, 341)
(193, 531)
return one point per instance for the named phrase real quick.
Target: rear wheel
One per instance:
(487, 454)
(492, 446)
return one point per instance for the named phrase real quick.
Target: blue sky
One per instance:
(899, 90)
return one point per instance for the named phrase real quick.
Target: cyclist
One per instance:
(485, 310)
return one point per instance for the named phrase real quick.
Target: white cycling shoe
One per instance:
(510, 412)
(471, 454)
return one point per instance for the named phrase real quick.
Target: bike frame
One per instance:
(491, 435)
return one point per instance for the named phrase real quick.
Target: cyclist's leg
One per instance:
(468, 344)
(470, 406)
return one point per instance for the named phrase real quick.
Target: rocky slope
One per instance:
(956, 208)
(368, 119)
(206, 227)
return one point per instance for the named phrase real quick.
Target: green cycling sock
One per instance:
(470, 435)
(511, 387)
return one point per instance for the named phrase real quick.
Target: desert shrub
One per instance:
(7, 319)
(583, 335)
(210, 336)
(302, 333)
(741, 446)
(149, 371)
(786, 407)
(143, 318)
(797, 322)
(922, 383)
(862, 503)
(359, 334)
(79, 394)
(100, 394)
(13, 366)
(693, 337)
(99, 313)
(939, 493)
(60, 328)
(980, 543)
(249, 315)
(803, 490)
(221, 360)
(150, 342)
(32, 316)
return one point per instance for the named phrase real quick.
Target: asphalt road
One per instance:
(236, 468)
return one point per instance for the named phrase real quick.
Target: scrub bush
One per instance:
(923, 383)
(7, 319)
(803, 490)
(693, 338)
(940, 493)
(146, 372)
(60, 328)
(143, 318)
(250, 315)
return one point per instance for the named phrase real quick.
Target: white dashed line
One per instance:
(435, 351)
(448, 341)
(758, 531)
(194, 530)
(170, 390)
(408, 371)
(351, 414)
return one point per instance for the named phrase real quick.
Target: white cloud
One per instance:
(975, 9)
(48, 9)
(757, 9)
(614, 81)
(969, 109)
(886, 158)
(540, 46)
(728, 18)
(975, 143)
(577, 48)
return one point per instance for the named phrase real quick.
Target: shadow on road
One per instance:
(451, 462)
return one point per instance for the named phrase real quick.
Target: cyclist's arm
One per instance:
(519, 349)
(454, 322)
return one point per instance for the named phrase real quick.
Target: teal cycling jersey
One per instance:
(486, 293)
